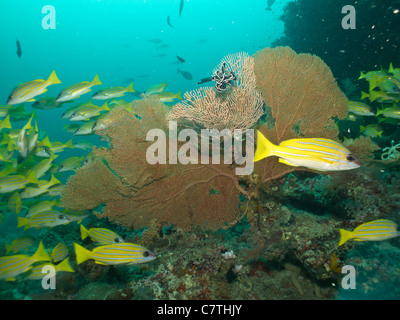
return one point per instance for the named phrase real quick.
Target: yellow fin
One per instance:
(130, 88)
(96, 81)
(53, 78)
(84, 232)
(344, 236)
(285, 162)
(81, 253)
(264, 147)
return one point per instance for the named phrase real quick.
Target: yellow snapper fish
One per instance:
(115, 254)
(88, 112)
(83, 144)
(72, 163)
(392, 112)
(16, 182)
(383, 97)
(35, 273)
(48, 103)
(12, 266)
(103, 122)
(371, 130)
(377, 230)
(314, 153)
(15, 203)
(26, 91)
(360, 108)
(101, 235)
(59, 252)
(112, 92)
(67, 113)
(390, 85)
(42, 187)
(169, 96)
(71, 127)
(44, 219)
(43, 166)
(41, 206)
(78, 89)
(86, 129)
(157, 88)
(57, 147)
(77, 215)
(19, 244)
(23, 142)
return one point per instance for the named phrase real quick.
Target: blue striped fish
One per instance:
(26, 91)
(78, 89)
(59, 252)
(101, 235)
(114, 254)
(19, 244)
(11, 266)
(377, 230)
(313, 153)
(44, 219)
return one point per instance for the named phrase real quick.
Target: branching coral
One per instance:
(391, 153)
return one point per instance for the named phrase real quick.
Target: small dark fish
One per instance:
(19, 51)
(185, 74)
(180, 8)
(202, 40)
(269, 3)
(169, 22)
(163, 46)
(181, 60)
(155, 40)
(159, 55)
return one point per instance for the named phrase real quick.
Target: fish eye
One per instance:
(116, 240)
(62, 217)
(146, 254)
(350, 158)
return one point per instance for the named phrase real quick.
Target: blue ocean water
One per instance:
(126, 41)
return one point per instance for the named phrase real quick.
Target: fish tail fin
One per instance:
(264, 147)
(81, 253)
(22, 222)
(8, 248)
(373, 95)
(362, 128)
(96, 81)
(53, 78)
(32, 177)
(6, 124)
(364, 95)
(130, 88)
(391, 68)
(344, 236)
(84, 232)
(54, 180)
(64, 266)
(179, 95)
(362, 75)
(41, 254)
(69, 144)
(105, 106)
(378, 112)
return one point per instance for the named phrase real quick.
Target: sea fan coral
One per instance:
(135, 192)
(239, 107)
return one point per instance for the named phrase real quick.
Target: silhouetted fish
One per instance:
(19, 51)
(155, 40)
(269, 3)
(180, 8)
(169, 22)
(185, 74)
(181, 60)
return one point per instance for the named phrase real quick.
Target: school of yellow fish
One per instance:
(384, 89)
(29, 176)
(29, 172)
